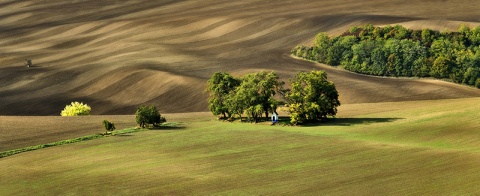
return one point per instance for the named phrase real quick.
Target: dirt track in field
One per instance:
(118, 55)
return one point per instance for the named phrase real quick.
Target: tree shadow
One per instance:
(164, 127)
(169, 128)
(351, 121)
(124, 135)
(285, 121)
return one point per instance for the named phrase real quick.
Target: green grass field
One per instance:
(397, 148)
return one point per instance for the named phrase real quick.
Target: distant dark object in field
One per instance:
(28, 62)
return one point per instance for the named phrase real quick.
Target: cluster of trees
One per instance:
(251, 94)
(397, 51)
(311, 98)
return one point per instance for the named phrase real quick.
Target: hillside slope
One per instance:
(116, 56)
(403, 148)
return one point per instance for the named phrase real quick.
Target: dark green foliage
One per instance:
(312, 97)
(256, 92)
(322, 44)
(219, 86)
(252, 94)
(440, 67)
(109, 126)
(146, 115)
(397, 51)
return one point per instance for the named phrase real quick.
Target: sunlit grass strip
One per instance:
(79, 139)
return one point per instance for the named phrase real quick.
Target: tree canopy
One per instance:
(251, 94)
(256, 93)
(220, 85)
(148, 115)
(312, 97)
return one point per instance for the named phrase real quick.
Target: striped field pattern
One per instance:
(116, 55)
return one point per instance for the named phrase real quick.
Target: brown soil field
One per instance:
(117, 55)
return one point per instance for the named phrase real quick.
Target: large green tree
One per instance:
(255, 93)
(252, 94)
(220, 86)
(312, 97)
(148, 115)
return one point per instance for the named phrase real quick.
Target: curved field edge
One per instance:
(419, 147)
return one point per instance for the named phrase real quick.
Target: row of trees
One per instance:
(311, 98)
(397, 51)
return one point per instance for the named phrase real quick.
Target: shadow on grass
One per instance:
(285, 121)
(167, 128)
(124, 135)
(350, 121)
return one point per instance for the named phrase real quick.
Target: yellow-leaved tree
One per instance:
(76, 109)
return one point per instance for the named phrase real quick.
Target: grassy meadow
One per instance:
(396, 148)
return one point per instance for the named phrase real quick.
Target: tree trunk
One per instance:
(255, 117)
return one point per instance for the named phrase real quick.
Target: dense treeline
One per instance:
(397, 51)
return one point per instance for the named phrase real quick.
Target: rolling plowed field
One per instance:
(117, 55)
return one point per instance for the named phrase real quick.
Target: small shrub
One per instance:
(109, 126)
(76, 109)
(148, 115)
